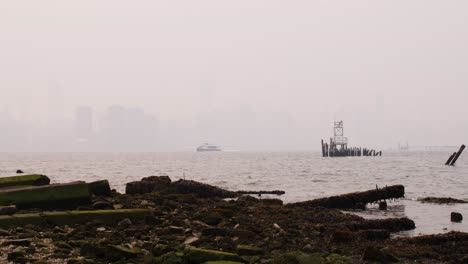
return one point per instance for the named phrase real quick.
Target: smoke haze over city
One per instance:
(246, 75)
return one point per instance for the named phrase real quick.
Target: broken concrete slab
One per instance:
(73, 217)
(24, 180)
(60, 196)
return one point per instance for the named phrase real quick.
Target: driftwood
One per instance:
(357, 199)
(277, 192)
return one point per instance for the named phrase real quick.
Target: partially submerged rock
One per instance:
(441, 200)
(456, 217)
(165, 185)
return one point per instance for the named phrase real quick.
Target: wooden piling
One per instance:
(462, 147)
(450, 158)
(323, 149)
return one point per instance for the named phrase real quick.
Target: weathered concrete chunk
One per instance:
(101, 188)
(74, 217)
(68, 195)
(24, 180)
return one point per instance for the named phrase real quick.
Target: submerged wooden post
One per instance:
(462, 147)
(450, 158)
(323, 149)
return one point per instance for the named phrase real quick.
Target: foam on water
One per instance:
(303, 175)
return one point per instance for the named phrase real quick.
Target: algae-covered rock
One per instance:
(24, 180)
(73, 217)
(199, 255)
(114, 253)
(160, 249)
(68, 195)
(244, 250)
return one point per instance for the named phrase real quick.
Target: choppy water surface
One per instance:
(303, 175)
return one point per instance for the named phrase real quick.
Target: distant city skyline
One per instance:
(246, 75)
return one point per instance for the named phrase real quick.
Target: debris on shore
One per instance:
(160, 221)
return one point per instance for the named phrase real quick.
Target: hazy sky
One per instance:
(392, 70)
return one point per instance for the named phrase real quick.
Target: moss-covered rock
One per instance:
(199, 255)
(73, 217)
(24, 180)
(63, 196)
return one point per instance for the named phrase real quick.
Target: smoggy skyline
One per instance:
(247, 75)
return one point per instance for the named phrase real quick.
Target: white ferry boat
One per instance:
(208, 147)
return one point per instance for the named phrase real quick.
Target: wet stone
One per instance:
(102, 205)
(17, 242)
(456, 217)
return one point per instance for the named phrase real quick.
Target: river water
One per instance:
(303, 175)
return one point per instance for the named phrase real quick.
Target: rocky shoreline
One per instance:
(160, 221)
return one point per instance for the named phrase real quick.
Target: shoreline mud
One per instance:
(160, 221)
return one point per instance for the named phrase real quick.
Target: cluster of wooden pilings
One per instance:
(334, 150)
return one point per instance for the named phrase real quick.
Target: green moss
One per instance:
(199, 255)
(73, 217)
(34, 179)
(67, 195)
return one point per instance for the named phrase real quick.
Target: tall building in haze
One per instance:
(84, 123)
